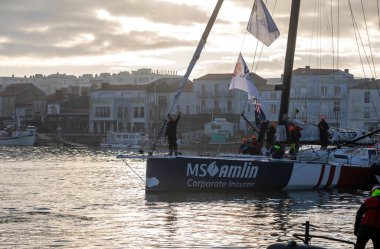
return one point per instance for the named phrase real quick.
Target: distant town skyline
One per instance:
(94, 36)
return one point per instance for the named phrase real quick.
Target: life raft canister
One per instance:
(292, 244)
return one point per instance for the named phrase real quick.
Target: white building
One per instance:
(363, 109)
(318, 93)
(126, 108)
(214, 97)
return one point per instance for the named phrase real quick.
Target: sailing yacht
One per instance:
(239, 172)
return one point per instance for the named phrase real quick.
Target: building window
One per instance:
(187, 109)
(216, 104)
(367, 97)
(162, 101)
(303, 91)
(203, 106)
(122, 112)
(216, 89)
(336, 107)
(367, 113)
(229, 106)
(103, 112)
(337, 91)
(273, 95)
(135, 112)
(323, 90)
(273, 109)
(141, 114)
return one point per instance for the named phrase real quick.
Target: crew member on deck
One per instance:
(294, 140)
(243, 145)
(171, 133)
(271, 132)
(323, 133)
(367, 223)
(277, 151)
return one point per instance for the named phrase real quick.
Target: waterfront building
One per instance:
(118, 108)
(363, 108)
(22, 101)
(317, 93)
(215, 100)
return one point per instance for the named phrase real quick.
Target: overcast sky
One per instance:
(96, 36)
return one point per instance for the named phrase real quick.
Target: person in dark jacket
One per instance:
(171, 133)
(294, 140)
(323, 133)
(271, 132)
(367, 222)
(277, 151)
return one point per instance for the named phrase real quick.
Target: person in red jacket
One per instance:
(367, 223)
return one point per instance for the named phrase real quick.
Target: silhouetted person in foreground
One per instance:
(171, 133)
(367, 223)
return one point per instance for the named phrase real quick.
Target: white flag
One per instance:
(243, 80)
(261, 24)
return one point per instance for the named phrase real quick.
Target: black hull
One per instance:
(203, 174)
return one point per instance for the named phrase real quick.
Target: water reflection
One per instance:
(86, 198)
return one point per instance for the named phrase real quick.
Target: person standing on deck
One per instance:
(171, 133)
(367, 222)
(294, 140)
(271, 132)
(323, 133)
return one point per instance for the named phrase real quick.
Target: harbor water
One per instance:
(87, 198)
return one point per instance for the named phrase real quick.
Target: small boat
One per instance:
(18, 136)
(124, 140)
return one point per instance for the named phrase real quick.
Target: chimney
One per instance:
(346, 70)
(307, 67)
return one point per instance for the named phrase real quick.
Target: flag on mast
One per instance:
(259, 115)
(261, 24)
(243, 80)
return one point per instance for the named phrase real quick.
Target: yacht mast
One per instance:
(193, 61)
(289, 60)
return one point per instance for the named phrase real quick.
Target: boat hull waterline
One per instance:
(27, 140)
(194, 173)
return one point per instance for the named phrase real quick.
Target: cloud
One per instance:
(98, 35)
(47, 28)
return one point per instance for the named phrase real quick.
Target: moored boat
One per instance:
(19, 136)
(251, 173)
(341, 168)
(124, 140)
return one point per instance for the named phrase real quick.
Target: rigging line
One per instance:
(373, 63)
(338, 35)
(356, 32)
(312, 33)
(320, 34)
(332, 34)
(359, 38)
(378, 12)
(126, 163)
(369, 42)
